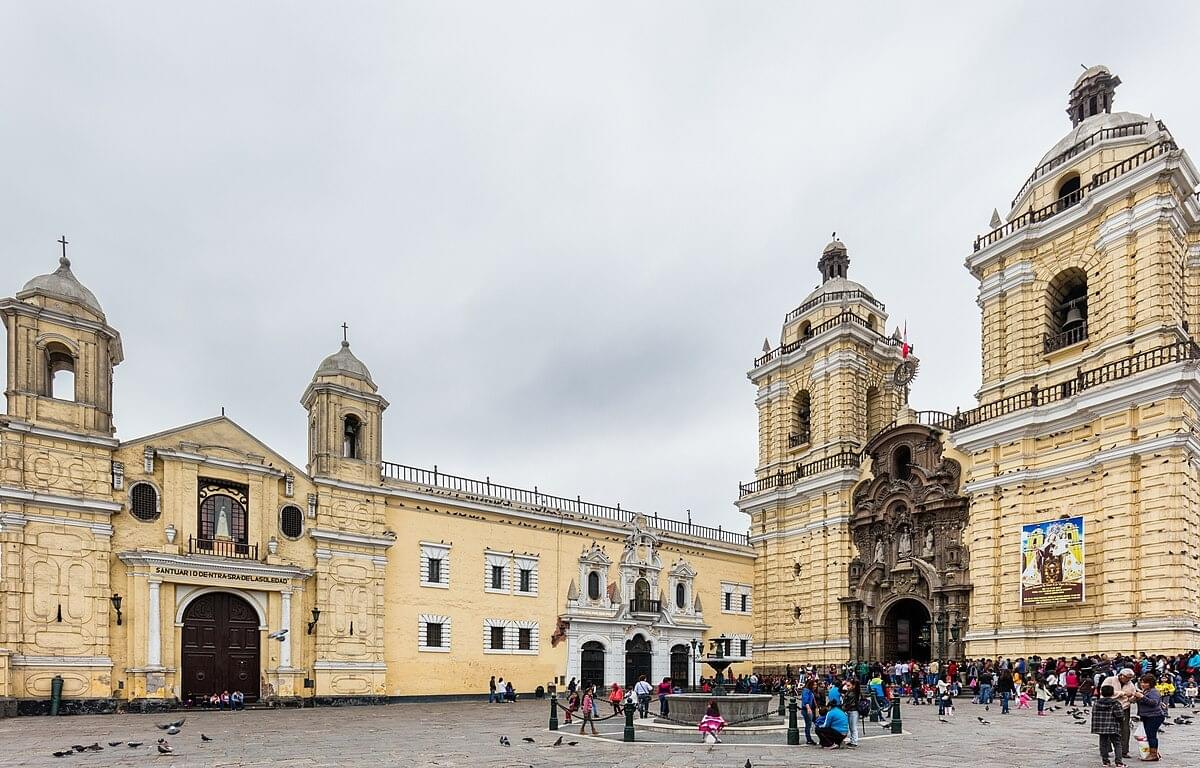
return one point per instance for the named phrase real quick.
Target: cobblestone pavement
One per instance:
(456, 734)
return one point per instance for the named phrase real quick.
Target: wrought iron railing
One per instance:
(796, 439)
(645, 606)
(1035, 215)
(842, 318)
(1177, 352)
(509, 495)
(1055, 341)
(833, 296)
(222, 548)
(1133, 129)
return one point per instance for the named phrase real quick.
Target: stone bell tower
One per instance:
(345, 419)
(61, 354)
(822, 393)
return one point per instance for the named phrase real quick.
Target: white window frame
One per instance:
(735, 592)
(505, 561)
(423, 621)
(512, 635)
(738, 638)
(431, 551)
(529, 563)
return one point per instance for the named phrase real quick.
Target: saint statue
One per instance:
(223, 508)
(905, 543)
(929, 542)
(879, 550)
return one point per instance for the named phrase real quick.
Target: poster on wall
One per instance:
(1052, 565)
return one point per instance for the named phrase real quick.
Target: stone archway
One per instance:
(907, 523)
(220, 648)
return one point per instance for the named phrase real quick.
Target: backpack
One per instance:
(864, 706)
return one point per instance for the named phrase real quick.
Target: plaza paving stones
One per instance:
(457, 734)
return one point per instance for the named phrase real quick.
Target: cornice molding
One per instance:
(197, 458)
(16, 425)
(38, 498)
(329, 536)
(216, 564)
(835, 480)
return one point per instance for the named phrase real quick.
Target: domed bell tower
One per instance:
(345, 419)
(61, 354)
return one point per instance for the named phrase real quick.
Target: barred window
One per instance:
(526, 580)
(745, 647)
(745, 602)
(291, 522)
(433, 635)
(497, 639)
(143, 502)
(497, 577)
(524, 639)
(435, 570)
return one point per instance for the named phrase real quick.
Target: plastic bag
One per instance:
(1139, 734)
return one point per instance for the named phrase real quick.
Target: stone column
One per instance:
(285, 645)
(153, 626)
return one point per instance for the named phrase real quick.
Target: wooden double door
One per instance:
(220, 647)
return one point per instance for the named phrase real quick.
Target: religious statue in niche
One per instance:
(879, 550)
(905, 543)
(928, 552)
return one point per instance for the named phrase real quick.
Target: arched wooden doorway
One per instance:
(637, 659)
(907, 631)
(591, 665)
(220, 647)
(680, 666)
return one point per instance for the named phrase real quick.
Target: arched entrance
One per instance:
(637, 659)
(220, 647)
(680, 666)
(907, 630)
(591, 665)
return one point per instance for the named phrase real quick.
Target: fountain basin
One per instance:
(690, 707)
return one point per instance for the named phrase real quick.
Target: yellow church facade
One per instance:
(1062, 513)
(155, 571)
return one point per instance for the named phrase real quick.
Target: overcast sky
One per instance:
(559, 232)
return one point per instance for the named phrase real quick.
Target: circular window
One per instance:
(291, 522)
(143, 502)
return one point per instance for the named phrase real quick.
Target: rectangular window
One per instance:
(524, 639)
(745, 647)
(435, 570)
(526, 580)
(745, 603)
(497, 643)
(497, 577)
(729, 601)
(433, 635)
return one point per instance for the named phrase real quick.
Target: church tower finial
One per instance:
(1092, 94)
(834, 261)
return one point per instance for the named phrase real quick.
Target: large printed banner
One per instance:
(1052, 563)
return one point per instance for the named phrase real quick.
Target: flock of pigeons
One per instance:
(164, 746)
(1082, 716)
(504, 742)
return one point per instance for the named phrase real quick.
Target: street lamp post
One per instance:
(695, 662)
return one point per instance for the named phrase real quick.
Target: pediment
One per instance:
(219, 438)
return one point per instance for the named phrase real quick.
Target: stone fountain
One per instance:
(690, 707)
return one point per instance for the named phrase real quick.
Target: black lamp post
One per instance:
(941, 627)
(116, 604)
(312, 625)
(695, 661)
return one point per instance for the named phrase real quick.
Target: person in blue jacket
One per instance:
(808, 708)
(833, 728)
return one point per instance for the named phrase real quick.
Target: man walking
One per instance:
(1122, 684)
(643, 690)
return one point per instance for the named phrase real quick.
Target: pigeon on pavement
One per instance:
(504, 741)
(164, 748)
(528, 740)
(114, 743)
(94, 747)
(204, 737)
(985, 722)
(942, 719)
(134, 744)
(168, 726)
(63, 752)
(558, 742)
(572, 743)
(173, 730)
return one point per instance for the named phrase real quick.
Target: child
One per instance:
(1043, 695)
(712, 722)
(572, 705)
(1106, 722)
(1024, 699)
(1085, 690)
(589, 710)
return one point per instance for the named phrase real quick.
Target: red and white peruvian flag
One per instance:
(904, 347)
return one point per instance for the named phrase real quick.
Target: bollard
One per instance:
(793, 731)
(56, 685)
(896, 724)
(781, 703)
(553, 712)
(628, 735)
(874, 709)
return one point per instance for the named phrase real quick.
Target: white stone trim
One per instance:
(1007, 279)
(1148, 212)
(771, 391)
(736, 591)
(197, 458)
(511, 637)
(219, 567)
(335, 665)
(738, 637)
(1175, 380)
(837, 642)
(15, 520)
(492, 559)
(38, 498)
(357, 539)
(1193, 255)
(816, 525)
(61, 661)
(15, 425)
(425, 619)
(440, 552)
(530, 563)
(868, 338)
(186, 594)
(837, 360)
(834, 480)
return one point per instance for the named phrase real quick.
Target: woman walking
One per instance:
(588, 710)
